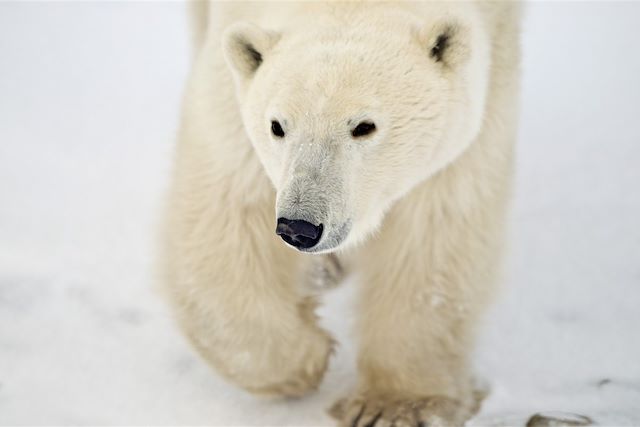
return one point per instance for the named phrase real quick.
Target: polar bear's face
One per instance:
(346, 121)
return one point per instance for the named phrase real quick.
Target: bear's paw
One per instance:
(436, 411)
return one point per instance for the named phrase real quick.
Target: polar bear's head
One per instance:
(351, 108)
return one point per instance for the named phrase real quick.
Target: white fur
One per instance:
(415, 209)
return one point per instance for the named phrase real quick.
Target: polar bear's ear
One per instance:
(448, 42)
(245, 46)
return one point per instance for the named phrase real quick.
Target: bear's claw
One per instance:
(433, 411)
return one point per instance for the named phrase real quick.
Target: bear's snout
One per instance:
(298, 233)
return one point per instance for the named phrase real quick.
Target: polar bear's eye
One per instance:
(363, 129)
(276, 129)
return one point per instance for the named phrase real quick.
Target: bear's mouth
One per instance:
(331, 241)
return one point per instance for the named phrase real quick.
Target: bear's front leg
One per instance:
(422, 290)
(235, 289)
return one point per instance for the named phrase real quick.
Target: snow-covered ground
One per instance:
(89, 94)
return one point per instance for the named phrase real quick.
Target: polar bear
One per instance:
(325, 138)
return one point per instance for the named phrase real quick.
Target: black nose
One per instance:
(299, 233)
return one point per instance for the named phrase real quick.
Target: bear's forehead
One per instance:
(348, 74)
(345, 86)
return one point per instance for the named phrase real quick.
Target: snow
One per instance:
(89, 96)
